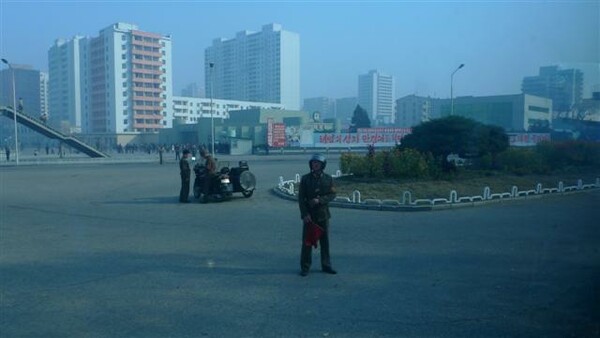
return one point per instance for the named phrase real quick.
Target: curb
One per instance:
(436, 207)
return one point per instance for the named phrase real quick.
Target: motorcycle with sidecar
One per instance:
(223, 183)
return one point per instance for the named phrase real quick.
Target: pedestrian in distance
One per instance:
(185, 173)
(177, 150)
(161, 150)
(315, 192)
(7, 151)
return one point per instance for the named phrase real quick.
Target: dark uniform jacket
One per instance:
(210, 164)
(321, 187)
(184, 168)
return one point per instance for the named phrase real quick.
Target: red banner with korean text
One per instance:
(527, 139)
(362, 138)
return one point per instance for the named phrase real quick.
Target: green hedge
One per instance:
(393, 164)
(409, 163)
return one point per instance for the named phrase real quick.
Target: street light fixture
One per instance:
(452, 88)
(212, 119)
(12, 70)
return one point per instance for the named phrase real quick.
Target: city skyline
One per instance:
(420, 44)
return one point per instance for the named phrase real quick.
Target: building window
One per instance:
(125, 121)
(539, 109)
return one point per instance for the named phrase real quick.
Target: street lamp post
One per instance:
(212, 119)
(14, 89)
(452, 88)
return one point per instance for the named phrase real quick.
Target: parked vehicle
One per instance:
(225, 182)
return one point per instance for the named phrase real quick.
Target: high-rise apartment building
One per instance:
(344, 109)
(563, 86)
(67, 82)
(192, 90)
(27, 85)
(376, 96)
(118, 82)
(255, 66)
(28, 95)
(323, 105)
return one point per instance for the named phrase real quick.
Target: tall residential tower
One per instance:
(119, 82)
(376, 96)
(255, 66)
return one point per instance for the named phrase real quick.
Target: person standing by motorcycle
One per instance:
(211, 169)
(185, 172)
(315, 192)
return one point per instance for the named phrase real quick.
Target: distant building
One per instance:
(344, 108)
(117, 83)
(189, 110)
(255, 66)
(43, 93)
(515, 113)
(192, 90)
(323, 105)
(67, 82)
(563, 86)
(412, 110)
(247, 124)
(29, 91)
(27, 83)
(376, 96)
(589, 109)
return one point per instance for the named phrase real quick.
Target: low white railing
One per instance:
(287, 187)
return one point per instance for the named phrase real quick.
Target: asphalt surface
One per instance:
(105, 250)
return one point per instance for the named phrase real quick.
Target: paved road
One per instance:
(105, 250)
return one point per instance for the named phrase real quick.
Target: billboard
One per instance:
(362, 138)
(275, 134)
(527, 139)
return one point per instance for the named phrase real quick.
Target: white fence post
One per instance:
(356, 196)
(453, 196)
(406, 198)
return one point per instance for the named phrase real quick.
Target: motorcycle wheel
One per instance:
(247, 193)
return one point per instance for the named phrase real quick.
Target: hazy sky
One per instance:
(420, 43)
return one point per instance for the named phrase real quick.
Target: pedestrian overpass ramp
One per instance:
(44, 129)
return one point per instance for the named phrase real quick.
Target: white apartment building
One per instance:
(118, 82)
(189, 110)
(255, 66)
(376, 96)
(131, 80)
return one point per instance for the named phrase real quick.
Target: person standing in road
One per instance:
(161, 150)
(211, 169)
(185, 172)
(315, 192)
(7, 151)
(177, 150)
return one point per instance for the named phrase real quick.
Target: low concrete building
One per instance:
(249, 124)
(515, 113)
